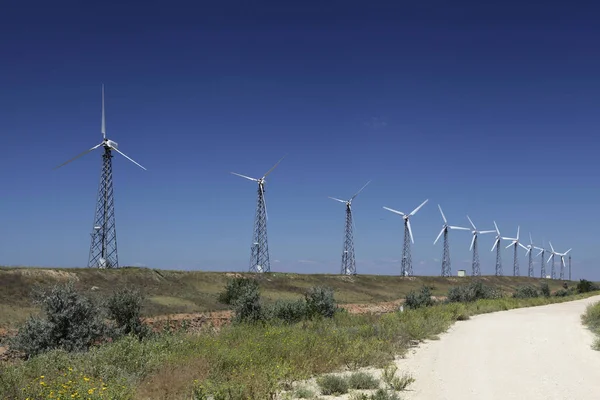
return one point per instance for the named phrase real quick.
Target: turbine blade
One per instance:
(341, 201)
(262, 193)
(538, 248)
(438, 236)
(526, 248)
(484, 232)
(472, 243)
(103, 118)
(509, 238)
(562, 259)
(460, 228)
(552, 248)
(540, 253)
(410, 231)
(418, 208)
(518, 229)
(273, 167)
(79, 155)
(443, 216)
(361, 189)
(127, 157)
(497, 230)
(509, 245)
(472, 224)
(530, 239)
(244, 176)
(566, 252)
(549, 258)
(394, 211)
(496, 243)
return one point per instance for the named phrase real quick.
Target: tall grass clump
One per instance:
(591, 318)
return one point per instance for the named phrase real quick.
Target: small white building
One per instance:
(461, 273)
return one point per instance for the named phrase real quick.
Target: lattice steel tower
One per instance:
(569, 267)
(515, 243)
(543, 263)
(348, 257)
(259, 252)
(529, 252)
(446, 265)
(498, 254)
(407, 269)
(103, 249)
(476, 269)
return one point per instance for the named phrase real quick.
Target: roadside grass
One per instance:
(174, 292)
(243, 362)
(591, 318)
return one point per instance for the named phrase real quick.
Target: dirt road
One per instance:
(529, 353)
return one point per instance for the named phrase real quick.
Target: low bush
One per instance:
(247, 304)
(472, 291)
(525, 292)
(397, 383)
(237, 287)
(333, 385)
(124, 307)
(585, 286)
(304, 393)
(69, 321)
(320, 302)
(419, 299)
(591, 318)
(289, 311)
(565, 292)
(362, 380)
(545, 289)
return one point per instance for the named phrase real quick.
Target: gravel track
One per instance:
(529, 353)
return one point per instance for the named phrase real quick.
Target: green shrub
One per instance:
(288, 311)
(124, 307)
(421, 299)
(585, 286)
(247, 305)
(362, 380)
(69, 321)
(320, 302)
(395, 382)
(525, 292)
(545, 289)
(236, 287)
(304, 393)
(384, 395)
(472, 292)
(565, 292)
(333, 385)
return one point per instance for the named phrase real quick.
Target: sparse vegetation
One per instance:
(304, 393)
(526, 292)
(362, 381)
(585, 286)
(545, 289)
(591, 318)
(333, 385)
(475, 290)
(246, 360)
(394, 382)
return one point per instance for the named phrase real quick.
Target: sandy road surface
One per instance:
(529, 353)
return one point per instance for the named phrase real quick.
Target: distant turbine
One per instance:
(543, 264)
(446, 266)
(552, 254)
(569, 267)
(476, 269)
(407, 269)
(348, 258)
(259, 252)
(515, 243)
(530, 247)
(562, 262)
(498, 254)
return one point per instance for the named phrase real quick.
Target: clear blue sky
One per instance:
(488, 110)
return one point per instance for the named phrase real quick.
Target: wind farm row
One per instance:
(103, 248)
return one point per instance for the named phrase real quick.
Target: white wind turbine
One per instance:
(498, 252)
(475, 265)
(542, 264)
(562, 261)
(408, 238)
(515, 243)
(530, 247)
(446, 266)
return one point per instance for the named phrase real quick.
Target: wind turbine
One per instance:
(259, 252)
(408, 238)
(103, 249)
(530, 247)
(498, 254)
(348, 258)
(446, 269)
(552, 254)
(515, 243)
(543, 264)
(562, 260)
(475, 266)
